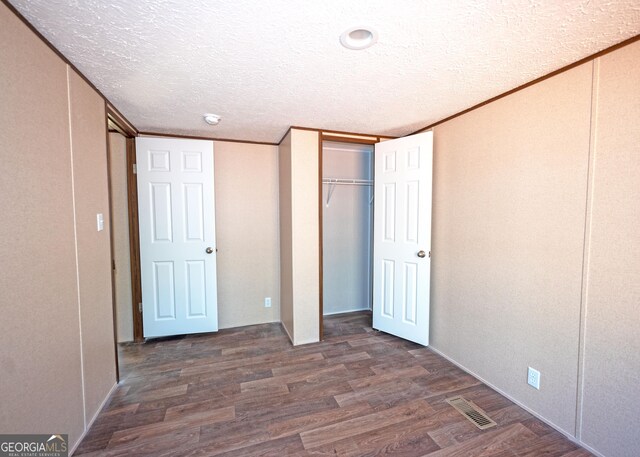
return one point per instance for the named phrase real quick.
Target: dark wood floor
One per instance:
(248, 392)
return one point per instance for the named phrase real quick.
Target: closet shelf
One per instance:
(345, 182)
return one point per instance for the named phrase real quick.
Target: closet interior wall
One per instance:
(347, 192)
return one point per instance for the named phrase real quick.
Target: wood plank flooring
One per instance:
(249, 392)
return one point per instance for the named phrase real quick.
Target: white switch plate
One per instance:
(533, 378)
(100, 222)
(267, 302)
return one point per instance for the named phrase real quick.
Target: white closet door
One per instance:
(177, 236)
(402, 237)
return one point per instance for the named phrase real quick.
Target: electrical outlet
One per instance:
(533, 378)
(267, 302)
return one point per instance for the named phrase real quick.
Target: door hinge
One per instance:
(113, 264)
(135, 169)
(140, 308)
(429, 254)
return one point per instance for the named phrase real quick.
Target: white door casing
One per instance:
(402, 236)
(177, 229)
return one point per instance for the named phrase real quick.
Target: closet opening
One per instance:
(125, 248)
(346, 221)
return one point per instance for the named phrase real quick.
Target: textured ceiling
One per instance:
(264, 65)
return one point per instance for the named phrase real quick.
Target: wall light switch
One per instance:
(100, 222)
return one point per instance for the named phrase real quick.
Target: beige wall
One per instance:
(39, 329)
(306, 235)
(246, 187)
(508, 220)
(120, 227)
(610, 418)
(299, 235)
(91, 196)
(55, 332)
(511, 186)
(286, 238)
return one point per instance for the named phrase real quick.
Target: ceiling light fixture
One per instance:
(358, 38)
(211, 119)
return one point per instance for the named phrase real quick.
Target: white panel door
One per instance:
(402, 237)
(177, 236)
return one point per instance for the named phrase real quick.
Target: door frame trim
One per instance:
(134, 241)
(320, 242)
(115, 121)
(111, 254)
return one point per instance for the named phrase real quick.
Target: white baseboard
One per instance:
(93, 419)
(345, 311)
(570, 437)
(286, 330)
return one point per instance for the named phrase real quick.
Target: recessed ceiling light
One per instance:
(358, 38)
(211, 119)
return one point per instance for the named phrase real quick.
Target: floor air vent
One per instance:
(469, 410)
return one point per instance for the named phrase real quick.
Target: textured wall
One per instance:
(535, 253)
(120, 224)
(39, 329)
(306, 235)
(299, 236)
(56, 343)
(247, 233)
(91, 196)
(510, 181)
(610, 421)
(286, 236)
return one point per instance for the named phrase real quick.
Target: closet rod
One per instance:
(352, 182)
(333, 182)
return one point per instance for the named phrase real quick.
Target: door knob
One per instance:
(209, 250)
(421, 254)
